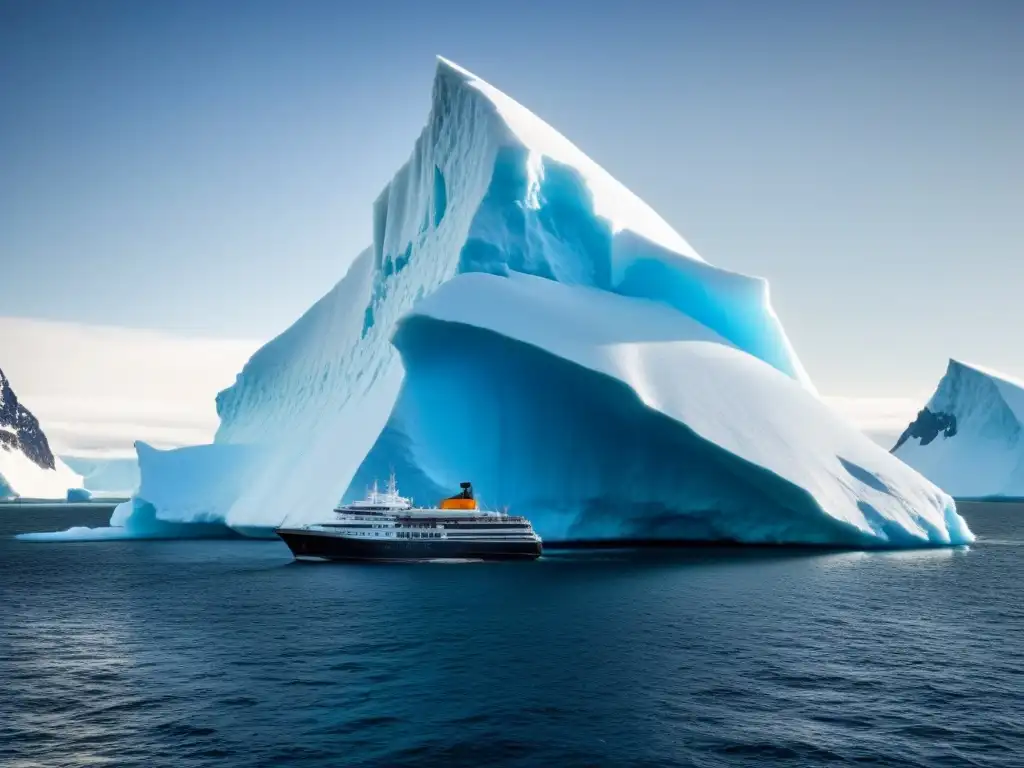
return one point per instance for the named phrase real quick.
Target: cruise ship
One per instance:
(387, 527)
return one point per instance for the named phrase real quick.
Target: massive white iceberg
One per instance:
(523, 321)
(968, 438)
(28, 467)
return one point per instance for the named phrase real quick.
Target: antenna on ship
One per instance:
(501, 446)
(392, 484)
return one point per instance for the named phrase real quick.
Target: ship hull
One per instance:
(311, 545)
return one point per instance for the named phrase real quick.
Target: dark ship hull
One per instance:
(313, 545)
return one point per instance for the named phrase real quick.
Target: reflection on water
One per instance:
(937, 554)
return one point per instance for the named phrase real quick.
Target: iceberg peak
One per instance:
(446, 64)
(980, 370)
(611, 200)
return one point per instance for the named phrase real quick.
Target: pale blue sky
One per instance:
(208, 167)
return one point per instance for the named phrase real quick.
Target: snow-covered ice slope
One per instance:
(633, 420)
(28, 467)
(968, 439)
(568, 352)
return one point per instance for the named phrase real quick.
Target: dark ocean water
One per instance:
(195, 653)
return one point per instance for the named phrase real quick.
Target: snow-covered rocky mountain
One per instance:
(524, 321)
(968, 438)
(28, 467)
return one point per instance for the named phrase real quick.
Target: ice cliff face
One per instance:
(27, 465)
(523, 321)
(968, 439)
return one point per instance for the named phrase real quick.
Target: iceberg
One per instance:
(106, 476)
(524, 321)
(136, 519)
(78, 495)
(968, 438)
(28, 468)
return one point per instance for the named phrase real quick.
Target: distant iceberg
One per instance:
(523, 321)
(106, 476)
(78, 495)
(969, 437)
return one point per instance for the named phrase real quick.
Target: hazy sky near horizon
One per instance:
(207, 168)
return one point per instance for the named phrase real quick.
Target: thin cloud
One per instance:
(97, 389)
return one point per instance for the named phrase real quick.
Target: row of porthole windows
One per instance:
(397, 525)
(404, 535)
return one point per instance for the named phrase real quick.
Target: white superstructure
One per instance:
(388, 515)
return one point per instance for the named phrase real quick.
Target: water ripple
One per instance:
(199, 653)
